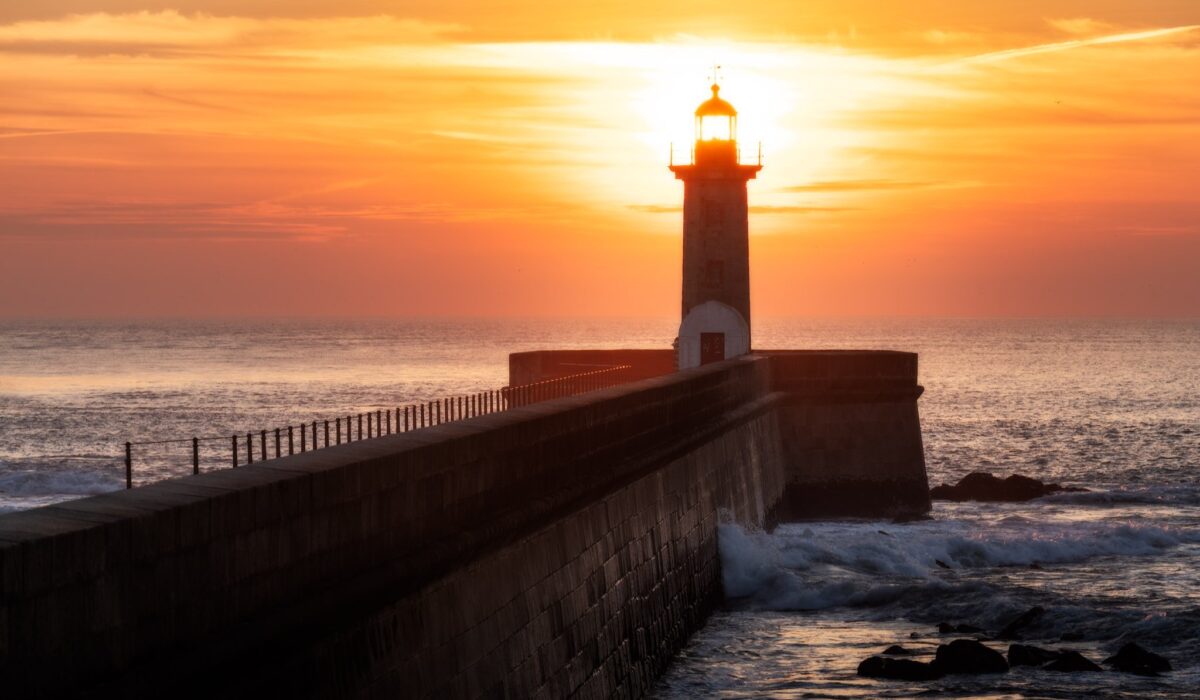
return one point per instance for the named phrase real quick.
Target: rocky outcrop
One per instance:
(897, 650)
(1013, 629)
(897, 669)
(968, 656)
(1072, 661)
(981, 486)
(947, 628)
(1134, 659)
(1025, 655)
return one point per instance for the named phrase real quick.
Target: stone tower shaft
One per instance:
(716, 245)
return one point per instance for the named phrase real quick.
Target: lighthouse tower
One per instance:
(716, 246)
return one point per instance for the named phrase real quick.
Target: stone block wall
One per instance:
(562, 548)
(593, 605)
(465, 558)
(851, 434)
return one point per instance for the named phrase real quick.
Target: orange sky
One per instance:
(311, 157)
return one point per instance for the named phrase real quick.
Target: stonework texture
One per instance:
(415, 565)
(566, 548)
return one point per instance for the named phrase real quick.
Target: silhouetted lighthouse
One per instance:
(716, 247)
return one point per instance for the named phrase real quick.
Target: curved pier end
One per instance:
(851, 434)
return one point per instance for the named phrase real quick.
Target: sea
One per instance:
(1109, 405)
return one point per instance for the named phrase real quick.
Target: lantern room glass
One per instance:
(716, 127)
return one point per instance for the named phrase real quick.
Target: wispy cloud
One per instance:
(754, 209)
(860, 185)
(1008, 54)
(1080, 25)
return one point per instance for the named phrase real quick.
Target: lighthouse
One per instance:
(716, 247)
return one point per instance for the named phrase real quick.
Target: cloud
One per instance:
(173, 32)
(860, 185)
(274, 219)
(754, 209)
(1080, 25)
(1007, 54)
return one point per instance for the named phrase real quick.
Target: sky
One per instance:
(472, 158)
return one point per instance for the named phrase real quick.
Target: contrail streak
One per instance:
(1077, 43)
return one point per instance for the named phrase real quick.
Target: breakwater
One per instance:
(559, 548)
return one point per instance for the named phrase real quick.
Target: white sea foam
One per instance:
(1159, 494)
(824, 565)
(49, 480)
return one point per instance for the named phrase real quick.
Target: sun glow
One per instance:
(414, 151)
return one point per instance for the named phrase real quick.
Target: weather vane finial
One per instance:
(716, 74)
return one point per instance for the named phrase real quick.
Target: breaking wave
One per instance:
(824, 565)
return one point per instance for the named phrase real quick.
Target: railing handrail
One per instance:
(413, 416)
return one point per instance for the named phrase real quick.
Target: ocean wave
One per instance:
(1173, 495)
(858, 564)
(71, 475)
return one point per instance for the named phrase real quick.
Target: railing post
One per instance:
(389, 423)
(277, 455)
(304, 437)
(368, 426)
(327, 433)
(235, 450)
(360, 426)
(338, 425)
(249, 448)
(263, 445)
(195, 455)
(128, 465)
(291, 441)
(314, 434)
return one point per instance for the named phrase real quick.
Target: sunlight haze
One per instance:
(398, 159)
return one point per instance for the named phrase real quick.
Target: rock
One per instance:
(947, 628)
(1024, 655)
(1013, 629)
(981, 486)
(1073, 661)
(941, 563)
(968, 656)
(1134, 659)
(897, 650)
(914, 635)
(899, 669)
(885, 533)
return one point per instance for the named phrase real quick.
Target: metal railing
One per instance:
(273, 443)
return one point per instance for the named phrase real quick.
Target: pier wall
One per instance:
(540, 365)
(564, 547)
(851, 434)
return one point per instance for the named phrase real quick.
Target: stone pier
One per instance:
(563, 548)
